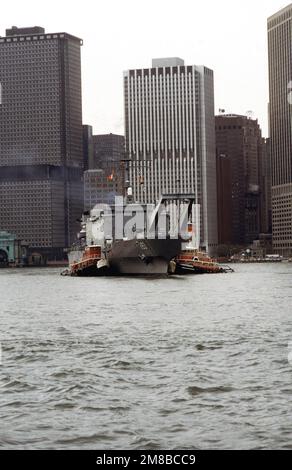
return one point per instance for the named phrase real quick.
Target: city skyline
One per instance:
(111, 47)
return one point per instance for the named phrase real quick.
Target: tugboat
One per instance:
(87, 264)
(195, 262)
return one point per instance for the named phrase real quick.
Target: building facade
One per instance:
(88, 147)
(100, 188)
(170, 139)
(104, 179)
(41, 153)
(266, 189)
(224, 199)
(108, 151)
(280, 106)
(13, 252)
(239, 139)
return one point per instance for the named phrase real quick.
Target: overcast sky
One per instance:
(228, 36)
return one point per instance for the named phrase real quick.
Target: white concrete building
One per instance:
(170, 136)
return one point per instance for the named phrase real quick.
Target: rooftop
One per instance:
(15, 31)
(33, 33)
(281, 12)
(168, 62)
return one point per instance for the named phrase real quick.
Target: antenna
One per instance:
(128, 190)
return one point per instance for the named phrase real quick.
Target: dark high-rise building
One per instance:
(88, 150)
(41, 153)
(280, 76)
(100, 188)
(266, 186)
(108, 151)
(224, 199)
(104, 179)
(240, 140)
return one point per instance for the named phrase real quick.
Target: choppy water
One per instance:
(191, 363)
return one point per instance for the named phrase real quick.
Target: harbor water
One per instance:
(198, 362)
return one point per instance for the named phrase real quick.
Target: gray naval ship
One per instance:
(101, 252)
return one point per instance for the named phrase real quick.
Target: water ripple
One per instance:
(181, 363)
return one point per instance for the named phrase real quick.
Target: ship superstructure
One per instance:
(113, 241)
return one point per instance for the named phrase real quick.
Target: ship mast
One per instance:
(128, 191)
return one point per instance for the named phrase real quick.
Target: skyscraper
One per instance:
(100, 188)
(41, 155)
(239, 139)
(104, 179)
(88, 146)
(170, 138)
(108, 151)
(224, 199)
(280, 76)
(266, 186)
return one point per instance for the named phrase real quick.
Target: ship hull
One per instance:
(142, 257)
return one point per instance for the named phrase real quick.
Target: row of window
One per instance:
(20, 39)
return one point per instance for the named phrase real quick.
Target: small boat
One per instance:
(87, 265)
(192, 261)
